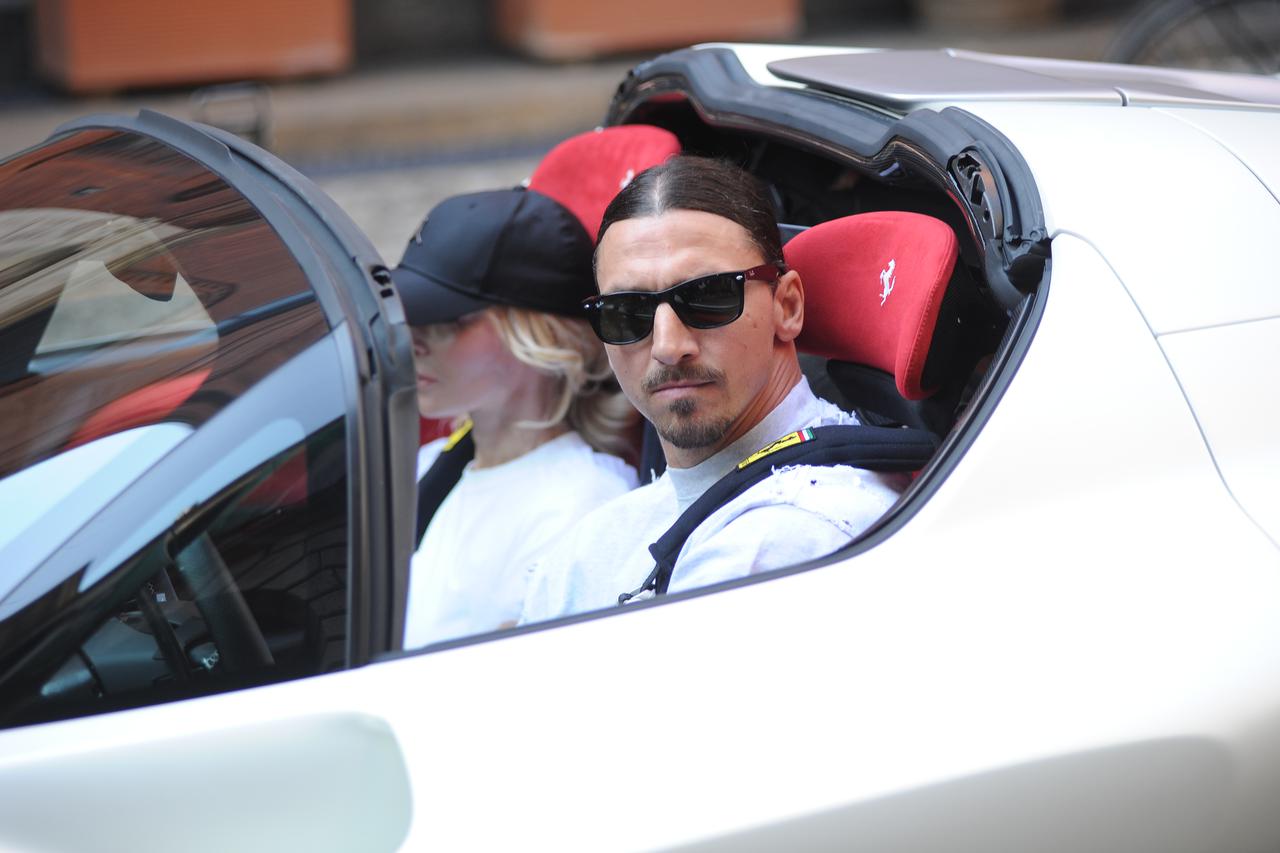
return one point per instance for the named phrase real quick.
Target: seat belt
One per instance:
(442, 476)
(886, 449)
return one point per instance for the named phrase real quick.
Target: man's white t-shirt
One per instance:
(470, 571)
(796, 514)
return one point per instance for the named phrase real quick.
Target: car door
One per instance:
(203, 380)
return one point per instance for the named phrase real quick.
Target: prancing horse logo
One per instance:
(887, 279)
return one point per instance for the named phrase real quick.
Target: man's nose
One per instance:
(673, 341)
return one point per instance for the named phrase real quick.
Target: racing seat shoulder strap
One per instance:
(442, 476)
(886, 449)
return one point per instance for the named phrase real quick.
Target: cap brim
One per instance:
(428, 301)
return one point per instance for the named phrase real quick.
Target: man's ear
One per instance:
(788, 307)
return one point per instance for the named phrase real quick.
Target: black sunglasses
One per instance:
(704, 302)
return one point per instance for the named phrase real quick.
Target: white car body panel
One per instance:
(1240, 415)
(1248, 134)
(213, 781)
(1185, 266)
(952, 654)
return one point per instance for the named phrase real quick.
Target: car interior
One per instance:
(897, 327)
(252, 587)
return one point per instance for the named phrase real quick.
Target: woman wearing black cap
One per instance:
(492, 286)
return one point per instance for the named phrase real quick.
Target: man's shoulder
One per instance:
(800, 512)
(618, 519)
(603, 554)
(846, 497)
(827, 413)
(650, 496)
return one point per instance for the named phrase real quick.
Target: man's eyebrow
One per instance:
(667, 285)
(631, 287)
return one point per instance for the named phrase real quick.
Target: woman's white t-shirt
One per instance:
(470, 572)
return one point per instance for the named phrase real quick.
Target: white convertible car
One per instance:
(1064, 637)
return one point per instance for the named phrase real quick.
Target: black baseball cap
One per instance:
(501, 247)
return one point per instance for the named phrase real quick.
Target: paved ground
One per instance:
(388, 204)
(387, 144)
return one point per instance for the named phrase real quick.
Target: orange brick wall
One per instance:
(575, 29)
(94, 45)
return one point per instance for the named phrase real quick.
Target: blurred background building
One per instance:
(59, 39)
(393, 104)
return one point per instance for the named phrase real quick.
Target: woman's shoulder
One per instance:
(577, 465)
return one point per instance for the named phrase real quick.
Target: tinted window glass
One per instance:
(172, 437)
(250, 587)
(135, 287)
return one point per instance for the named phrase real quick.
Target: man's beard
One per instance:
(680, 428)
(689, 434)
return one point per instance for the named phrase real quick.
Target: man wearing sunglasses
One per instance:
(699, 317)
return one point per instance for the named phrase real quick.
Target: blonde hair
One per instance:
(566, 349)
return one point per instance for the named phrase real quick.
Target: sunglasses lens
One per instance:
(702, 303)
(623, 318)
(710, 301)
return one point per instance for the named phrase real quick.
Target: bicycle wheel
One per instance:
(1222, 35)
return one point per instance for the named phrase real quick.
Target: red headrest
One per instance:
(873, 286)
(586, 171)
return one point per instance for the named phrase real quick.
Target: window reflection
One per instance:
(141, 296)
(135, 287)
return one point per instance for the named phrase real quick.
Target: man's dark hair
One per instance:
(699, 183)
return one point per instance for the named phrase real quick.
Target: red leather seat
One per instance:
(877, 282)
(586, 171)
(887, 304)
